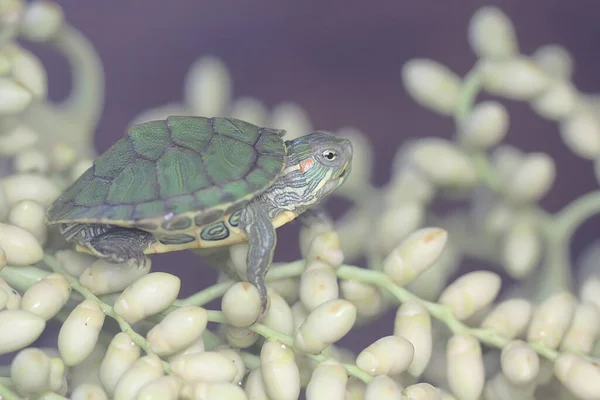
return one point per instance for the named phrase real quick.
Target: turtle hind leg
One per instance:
(121, 245)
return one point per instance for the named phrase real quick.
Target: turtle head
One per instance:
(322, 161)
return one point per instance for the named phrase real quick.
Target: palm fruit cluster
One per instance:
(108, 331)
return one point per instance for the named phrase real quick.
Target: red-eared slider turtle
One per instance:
(198, 183)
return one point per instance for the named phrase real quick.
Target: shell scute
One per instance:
(135, 184)
(75, 212)
(112, 162)
(207, 218)
(227, 159)
(237, 130)
(194, 133)
(150, 140)
(234, 218)
(217, 231)
(180, 238)
(92, 194)
(209, 197)
(237, 188)
(177, 224)
(156, 207)
(269, 144)
(180, 204)
(180, 171)
(117, 212)
(149, 226)
(257, 179)
(269, 164)
(59, 210)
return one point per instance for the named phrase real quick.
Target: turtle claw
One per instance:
(265, 300)
(264, 306)
(120, 255)
(137, 262)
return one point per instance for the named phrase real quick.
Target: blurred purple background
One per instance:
(340, 60)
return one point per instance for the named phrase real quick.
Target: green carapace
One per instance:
(200, 183)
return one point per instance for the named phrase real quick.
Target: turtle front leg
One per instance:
(121, 245)
(262, 239)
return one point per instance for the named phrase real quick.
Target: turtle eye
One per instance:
(330, 155)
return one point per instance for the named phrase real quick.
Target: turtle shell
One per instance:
(168, 167)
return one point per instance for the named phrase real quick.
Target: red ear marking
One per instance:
(307, 164)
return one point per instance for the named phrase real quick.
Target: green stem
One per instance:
(468, 94)
(467, 97)
(210, 340)
(438, 311)
(472, 242)
(22, 278)
(7, 394)
(381, 280)
(544, 351)
(199, 299)
(286, 270)
(486, 172)
(575, 213)
(107, 309)
(277, 271)
(565, 224)
(558, 230)
(251, 361)
(205, 296)
(268, 333)
(557, 271)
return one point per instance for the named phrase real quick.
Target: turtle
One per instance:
(200, 183)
